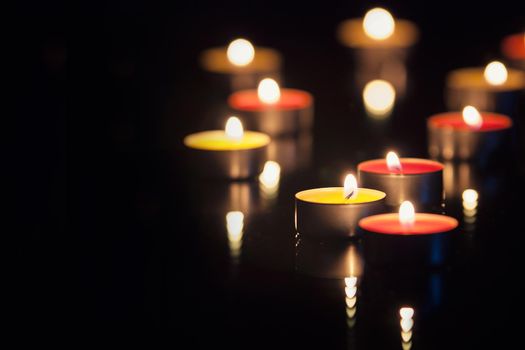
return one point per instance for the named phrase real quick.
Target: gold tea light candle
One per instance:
(231, 153)
(415, 179)
(242, 62)
(492, 88)
(466, 135)
(273, 110)
(333, 212)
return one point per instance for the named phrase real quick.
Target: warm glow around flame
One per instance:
(234, 225)
(350, 187)
(407, 213)
(268, 91)
(378, 24)
(379, 97)
(240, 52)
(472, 117)
(495, 73)
(234, 129)
(392, 162)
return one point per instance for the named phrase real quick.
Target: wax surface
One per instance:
(351, 34)
(247, 100)
(454, 120)
(513, 46)
(216, 140)
(265, 60)
(424, 224)
(410, 166)
(473, 78)
(334, 195)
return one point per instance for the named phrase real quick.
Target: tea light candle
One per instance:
(273, 110)
(231, 153)
(407, 236)
(513, 47)
(419, 180)
(486, 88)
(243, 62)
(377, 29)
(333, 212)
(466, 135)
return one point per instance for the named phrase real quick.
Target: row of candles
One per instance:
(339, 211)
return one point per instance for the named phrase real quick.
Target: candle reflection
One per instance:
(470, 205)
(457, 177)
(291, 153)
(406, 323)
(235, 227)
(379, 97)
(351, 300)
(269, 180)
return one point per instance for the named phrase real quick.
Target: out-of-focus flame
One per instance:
(350, 187)
(268, 91)
(392, 162)
(406, 324)
(269, 178)
(378, 24)
(234, 129)
(351, 299)
(234, 225)
(472, 117)
(406, 312)
(406, 336)
(240, 52)
(470, 203)
(407, 214)
(350, 287)
(379, 97)
(495, 73)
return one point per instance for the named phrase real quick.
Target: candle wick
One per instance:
(349, 195)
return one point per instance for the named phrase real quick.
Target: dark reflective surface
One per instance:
(155, 245)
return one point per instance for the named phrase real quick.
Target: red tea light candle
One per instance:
(333, 212)
(467, 134)
(377, 30)
(273, 110)
(419, 180)
(407, 236)
(513, 47)
(231, 153)
(483, 87)
(243, 62)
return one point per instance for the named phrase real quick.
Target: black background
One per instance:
(106, 93)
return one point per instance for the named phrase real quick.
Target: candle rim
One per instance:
(366, 162)
(455, 79)
(350, 32)
(268, 107)
(369, 190)
(453, 221)
(266, 141)
(266, 59)
(432, 122)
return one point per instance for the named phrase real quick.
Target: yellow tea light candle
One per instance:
(334, 211)
(232, 153)
(485, 88)
(242, 62)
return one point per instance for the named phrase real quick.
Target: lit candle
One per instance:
(467, 134)
(379, 97)
(419, 180)
(407, 237)
(242, 62)
(513, 47)
(378, 29)
(332, 212)
(273, 110)
(486, 88)
(232, 153)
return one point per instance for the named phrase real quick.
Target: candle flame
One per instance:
(470, 201)
(268, 91)
(378, 24)
(271, 174)
(472, 117)
(234, 129)
(350, 187)
(406, 312)
(407, 213)
(240, 52)
(406, 336)
(379, 97)
(495, 73)
(392, 162)
(350, 281)
(234, 225)
(406, 324)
